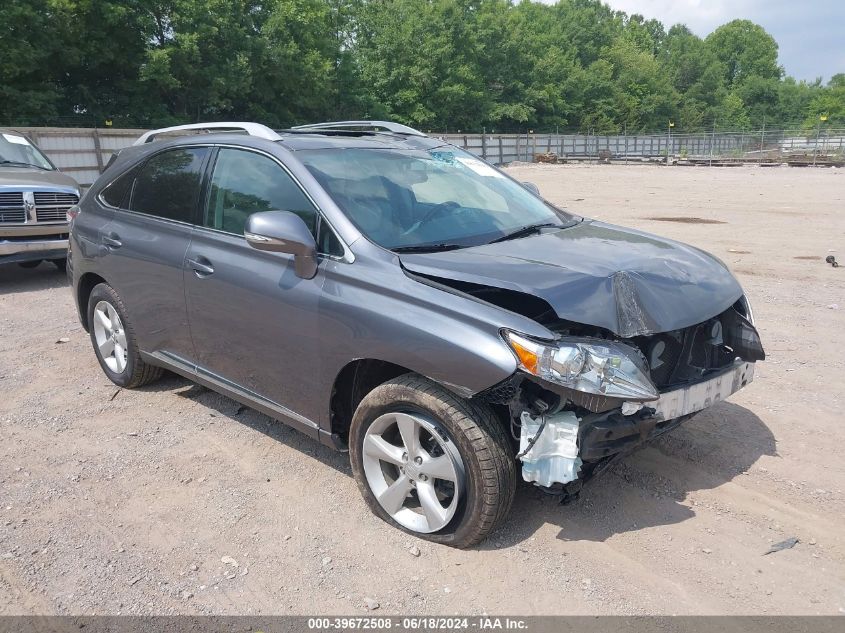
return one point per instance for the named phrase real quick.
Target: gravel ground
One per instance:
(173, 499)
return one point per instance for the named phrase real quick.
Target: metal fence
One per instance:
(794, 147)
(84, 152)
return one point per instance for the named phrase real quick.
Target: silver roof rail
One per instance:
(398, 128)
(253, 129)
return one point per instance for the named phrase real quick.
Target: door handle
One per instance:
(202, 267)
(112, 240)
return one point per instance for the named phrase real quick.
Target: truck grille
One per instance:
(51, 214)
(50, 198)
(12, 216)
(11, 199)
(11, 207)
(52, 206)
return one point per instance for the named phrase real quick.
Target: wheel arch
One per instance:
(354, 381)
(358, 378)
(87, 283)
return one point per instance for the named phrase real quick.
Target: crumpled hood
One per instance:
(626, 281)
(26, 178)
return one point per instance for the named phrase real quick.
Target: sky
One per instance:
(810, 33)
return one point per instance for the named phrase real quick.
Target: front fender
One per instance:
(378, 312)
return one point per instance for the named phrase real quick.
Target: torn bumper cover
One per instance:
(564, 447)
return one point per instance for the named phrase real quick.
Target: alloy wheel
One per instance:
(414, 470)
(110, 336)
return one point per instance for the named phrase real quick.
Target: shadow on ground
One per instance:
(45, 276)
(649, 488)
(224, 407)
(646, 489)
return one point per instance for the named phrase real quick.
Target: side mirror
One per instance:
(531, 187)
(284, 232)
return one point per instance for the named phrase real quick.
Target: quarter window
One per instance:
(118, 192)
(245, 183)
(168, 184)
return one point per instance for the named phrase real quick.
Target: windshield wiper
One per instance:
(20, 163)
(526, 230)
(426, 248)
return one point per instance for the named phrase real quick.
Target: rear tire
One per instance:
(469, 432)
(114, 340)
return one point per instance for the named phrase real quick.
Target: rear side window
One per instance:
(118, 192)
(244, 183)
(168, 184)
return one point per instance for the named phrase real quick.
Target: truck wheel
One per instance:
(114, 340)
(430, 463)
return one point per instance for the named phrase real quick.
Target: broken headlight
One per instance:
(594, 366)
(744, 308)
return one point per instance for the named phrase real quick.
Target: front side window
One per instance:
(168, 184)
(244, 183)
(417, 198)
(17, 151)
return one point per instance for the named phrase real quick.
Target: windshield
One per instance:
(441, 197)
(17, 150)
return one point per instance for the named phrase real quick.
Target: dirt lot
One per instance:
(125, 502)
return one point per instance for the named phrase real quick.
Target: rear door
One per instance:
(146, 242)
(253, 321)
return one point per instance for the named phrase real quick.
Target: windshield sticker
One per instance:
(443, 157)
(480, 168)
(17, 140)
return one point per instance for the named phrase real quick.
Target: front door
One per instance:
(252, 320)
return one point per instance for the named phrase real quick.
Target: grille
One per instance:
(11, 199)
(46, 198)
(52, 206)
(12, 215)
(11, 207)
(51, 215)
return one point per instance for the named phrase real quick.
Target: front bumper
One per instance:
(565, 449)
(611, 433)
(23, 251)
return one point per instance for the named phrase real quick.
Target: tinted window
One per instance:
(168, 184)
(117, 193)
(327, 241)
(245, 183)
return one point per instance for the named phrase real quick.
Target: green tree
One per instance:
(435, 64)
(695, 73)
(27, 93)
(730, 114)
(746, 51)
(828, 102)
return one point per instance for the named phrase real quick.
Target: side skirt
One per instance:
(244, 396)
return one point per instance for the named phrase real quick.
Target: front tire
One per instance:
(114, 340)
(430, 463)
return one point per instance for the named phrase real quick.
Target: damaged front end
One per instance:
(585, 399)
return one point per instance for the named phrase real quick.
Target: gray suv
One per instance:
(392, 295)
(34, 200)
